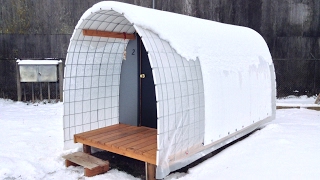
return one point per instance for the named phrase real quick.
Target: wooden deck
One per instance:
(135, 142)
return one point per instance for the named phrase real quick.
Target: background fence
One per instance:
(297, 77)
(30, 91)
(294, 77)
(291, 28)
(8, 81)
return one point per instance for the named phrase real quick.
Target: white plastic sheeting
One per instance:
(214, 82)
(180, 100)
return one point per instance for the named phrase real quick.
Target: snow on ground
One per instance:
(32, 144)
(287, 148)
(297, 101)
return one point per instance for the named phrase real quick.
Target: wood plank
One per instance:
(104, 129)
(95, 171)
(146, 148)
(287, 107)
(133, 155)
(151, 153)
(89, 32)
(85, 160)
(92, 165)
(107, 134)
(314, 108)
(299, 107)
(130, 139)
(70, 163)
(139, 144)
(131, 144)
(120, 135)
(100, 132)
(119, 138)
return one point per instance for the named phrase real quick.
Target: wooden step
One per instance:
(92, 165)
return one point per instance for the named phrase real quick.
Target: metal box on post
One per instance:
(37, 71)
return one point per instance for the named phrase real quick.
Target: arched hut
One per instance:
(186, 86)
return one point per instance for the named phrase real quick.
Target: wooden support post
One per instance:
(318, 99)
(48, 91)
(57, 92)
(24, 93)
(32, 92)
(61, 66)
(19, 93)
(41, 97)
(87, 149)
(150, 171)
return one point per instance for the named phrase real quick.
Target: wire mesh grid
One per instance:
(180, 98)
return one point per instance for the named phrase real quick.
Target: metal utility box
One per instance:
(39, 75)
(38, 70)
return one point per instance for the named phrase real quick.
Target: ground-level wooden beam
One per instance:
(150, 171)
(89, 32)
(288, 107)
(317, 108)
(314, 108)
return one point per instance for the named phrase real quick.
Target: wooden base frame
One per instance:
(135, 142)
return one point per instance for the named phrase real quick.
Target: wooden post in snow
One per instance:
(19, 93)
(41, 97)
(61, 66)
(32, 91)
(318, 99)
(49, 91)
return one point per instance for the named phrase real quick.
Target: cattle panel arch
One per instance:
(92, 79)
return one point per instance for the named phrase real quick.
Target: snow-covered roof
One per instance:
(38, 62)
(191, 37)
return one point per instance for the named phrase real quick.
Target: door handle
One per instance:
(142, 76)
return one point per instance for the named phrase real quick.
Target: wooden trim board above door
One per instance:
(89, 32)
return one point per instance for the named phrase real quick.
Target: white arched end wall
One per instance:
(92, 78)
(92, 75)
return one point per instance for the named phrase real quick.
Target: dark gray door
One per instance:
(129, 86)
(137, 99)
(148, 108)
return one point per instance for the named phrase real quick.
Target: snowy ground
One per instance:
(302, 101)
(287, 148)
